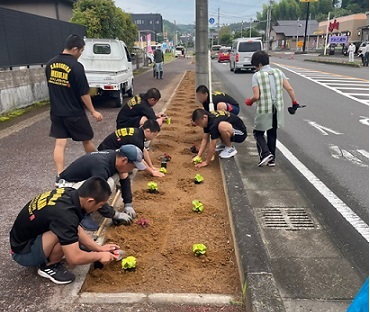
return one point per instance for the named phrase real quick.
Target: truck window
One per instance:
(249, 46)
(100, 48)
(128, 55)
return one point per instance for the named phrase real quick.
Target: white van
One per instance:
(241, 53)
(108, 68)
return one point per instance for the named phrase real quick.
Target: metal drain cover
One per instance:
(287, 219)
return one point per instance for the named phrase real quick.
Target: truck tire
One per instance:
(130, 92)
(118, 100)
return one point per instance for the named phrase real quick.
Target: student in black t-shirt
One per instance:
(139, 109)
(69, 95)
(220, 100)
(137, 137)
(47, 228)
(218, 125)
(114, 164)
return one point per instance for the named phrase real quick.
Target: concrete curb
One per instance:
(260, 292)
(333, 63)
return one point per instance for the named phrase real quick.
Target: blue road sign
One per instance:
(211, 20)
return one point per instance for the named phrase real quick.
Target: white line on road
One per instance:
(322, 129)
(339, 153)
(351, 217)
(364, 153)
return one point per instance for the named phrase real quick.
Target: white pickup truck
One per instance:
(108, 68)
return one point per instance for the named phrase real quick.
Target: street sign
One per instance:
(338, 39)
(211, 20)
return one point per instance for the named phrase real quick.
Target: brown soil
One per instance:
(165, 261)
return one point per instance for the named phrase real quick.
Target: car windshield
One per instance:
(225, 50)
(249, 46)
(214, 48)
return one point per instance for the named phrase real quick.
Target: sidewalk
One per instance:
(283, 269)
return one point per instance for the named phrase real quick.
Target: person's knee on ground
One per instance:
(89, 146)
(59, 150)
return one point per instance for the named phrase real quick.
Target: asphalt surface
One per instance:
(282, 269)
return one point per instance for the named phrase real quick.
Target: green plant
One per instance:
(153, 187)
(197, 206)
(198, 178)
(163, 170)
(199, 249)
(197, 160)
(129, 263)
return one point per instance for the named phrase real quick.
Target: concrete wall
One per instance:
(21, 88)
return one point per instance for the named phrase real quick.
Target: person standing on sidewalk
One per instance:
(47, 229)
(158, 60)
(221, 100)
(351, 52)
(267, 85)
(69, 95)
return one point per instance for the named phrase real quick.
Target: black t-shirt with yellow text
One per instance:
(58, 211)
(215, 117)
(123, 136)
(218, 97)
(67, 83)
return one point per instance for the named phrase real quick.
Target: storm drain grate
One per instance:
(286, 219)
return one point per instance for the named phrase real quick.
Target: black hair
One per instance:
(202, 89)
(153, 93)
(260, 57)
(74, 41)
(198, 114)
(95, 187)
(152, 125)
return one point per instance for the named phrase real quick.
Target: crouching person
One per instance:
(47, 229)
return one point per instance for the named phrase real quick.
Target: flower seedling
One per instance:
(197, 206)
(163, 170)
(197, 160)
(129, 263)
(152, 187)
(198, 179)
(199, 249)
(143, 222)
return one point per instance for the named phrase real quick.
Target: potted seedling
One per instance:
(199, 249)
(129, 263)
(197, 206)
(152, 187)
(197, 160)
(198, 179)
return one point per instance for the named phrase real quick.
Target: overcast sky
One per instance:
(183, 11)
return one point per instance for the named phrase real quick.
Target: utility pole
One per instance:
(241, 30)
(305, 30)
(218, 25)
(327, 34)
(268, 27)
(175, 43)
(250, 28)
(201, 42)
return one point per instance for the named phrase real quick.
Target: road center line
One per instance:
(348, 214)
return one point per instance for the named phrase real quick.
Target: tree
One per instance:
(224, 35)
(104, 20)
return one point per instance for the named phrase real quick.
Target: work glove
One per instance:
(121, 218)
(128, 209)
(249, 102)
(294, 107)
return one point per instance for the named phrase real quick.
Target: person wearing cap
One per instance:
(47, 229)
(139, 109)
(110, 164)
(137, 137)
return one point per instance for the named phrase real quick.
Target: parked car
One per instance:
(108, 67)
(241, 53)
(224, 54)
(214, 51)
(179, 51)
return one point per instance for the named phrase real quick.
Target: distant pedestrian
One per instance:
(366, 49)
(351, 52)
(267, 85)
(159, 61)
(69, 95)
(139, 109)
(221, 100)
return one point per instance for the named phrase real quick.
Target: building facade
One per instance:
(56, 9)
(148, 24)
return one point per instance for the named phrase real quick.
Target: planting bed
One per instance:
(163, 249)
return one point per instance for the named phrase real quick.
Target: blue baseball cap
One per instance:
(133, 154)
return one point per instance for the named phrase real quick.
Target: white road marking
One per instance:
(364, 153)
(348, 214)
(339, 153)
(322, 129)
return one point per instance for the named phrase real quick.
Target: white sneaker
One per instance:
(220, 147)
(228, 152)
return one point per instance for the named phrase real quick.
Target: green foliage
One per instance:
(152, 187)
(129, 263)
(20, 111)
(197, 206)
(104, 20)
(198, 178)
(199, 249)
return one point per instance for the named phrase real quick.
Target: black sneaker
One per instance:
(57, 273)
(265, 160)
(271, 163)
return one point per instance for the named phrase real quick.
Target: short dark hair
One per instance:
(198, 114)
(95, 187)
(152, 125)
(260, 57)
(74, 41)
(153, 93)
(202, 89)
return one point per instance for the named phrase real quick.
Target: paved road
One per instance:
(329, 138)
